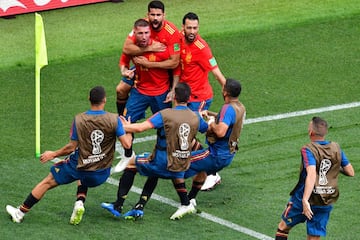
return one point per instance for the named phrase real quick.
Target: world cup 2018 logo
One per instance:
(324, 168)
(97, 136)
(184, 132)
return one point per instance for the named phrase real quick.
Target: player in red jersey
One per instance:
(197, 61)
(166, 37)
(166, 40)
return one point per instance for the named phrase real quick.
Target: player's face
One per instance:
(191, 29)
(142, 35)
(156, 18)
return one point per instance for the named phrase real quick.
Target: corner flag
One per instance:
(40, 61)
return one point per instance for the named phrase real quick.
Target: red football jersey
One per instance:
(197, 61)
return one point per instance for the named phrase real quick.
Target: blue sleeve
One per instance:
(156, 120)
(203, 126)
(120, 129)
(344, 159)
(73, 132)
(308, 157)
(227, 115)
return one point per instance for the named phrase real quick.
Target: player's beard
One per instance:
(190, 37)
(156, 25)
(143, 43)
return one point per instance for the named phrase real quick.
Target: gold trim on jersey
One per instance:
(199, 44)
(169, 29)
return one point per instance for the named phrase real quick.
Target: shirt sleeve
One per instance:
(156, 120)
(227, 115)
(73, 132)
(203, 126)
(344, 160)
(174, 43)
(120, 128)
(307, 157)
(124, 60)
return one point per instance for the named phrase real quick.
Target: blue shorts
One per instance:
(202, 160)
(292, 216)
(200, 106)
(138, 103)
(65, 172)
(157, 167)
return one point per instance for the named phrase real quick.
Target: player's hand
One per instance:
(157, 47)
(204, 114)
(141, 60)
(125, 121)
(307, 209)
(211, 119)
(169, 97)
(47, 156)
(129, 74)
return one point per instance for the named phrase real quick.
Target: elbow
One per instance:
(174, 63)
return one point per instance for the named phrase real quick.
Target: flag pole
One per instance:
(40, 61)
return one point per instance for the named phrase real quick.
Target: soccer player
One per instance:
(167, 35)
(91, 149)
(222, 138)
(197, 61)
(317, 190)
(177, 128)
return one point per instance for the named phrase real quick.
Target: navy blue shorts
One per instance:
(138, 103)
(200, 106)
(157, 167)
(203, 161)
(293, 215)
(65, 172)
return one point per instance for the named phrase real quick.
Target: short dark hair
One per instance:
(141, 23)
(233, 87)
(97, 95)
(319, 126)
(182, 92)
(190, 16)
(156, 4)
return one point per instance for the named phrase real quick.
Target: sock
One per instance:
(281, 235)
(125, 183)
(148, 189)
(128, 152)
(29, 202)
(196, 186)
(181, 191)
(81, 193)
(120, 105)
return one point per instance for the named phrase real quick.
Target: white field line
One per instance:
(210, 217)
(204, 215)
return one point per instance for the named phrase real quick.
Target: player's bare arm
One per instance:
(169, 63)
(66, 150)
(130, 48)
(218, 128)
(348, 170)
(126, 140)
(309, 186)
(171, 94)
(219, 76)
(138, 127)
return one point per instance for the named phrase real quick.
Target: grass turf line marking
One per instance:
(247, 121)
(202, 214)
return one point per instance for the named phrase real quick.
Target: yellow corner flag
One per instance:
(40, 61)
